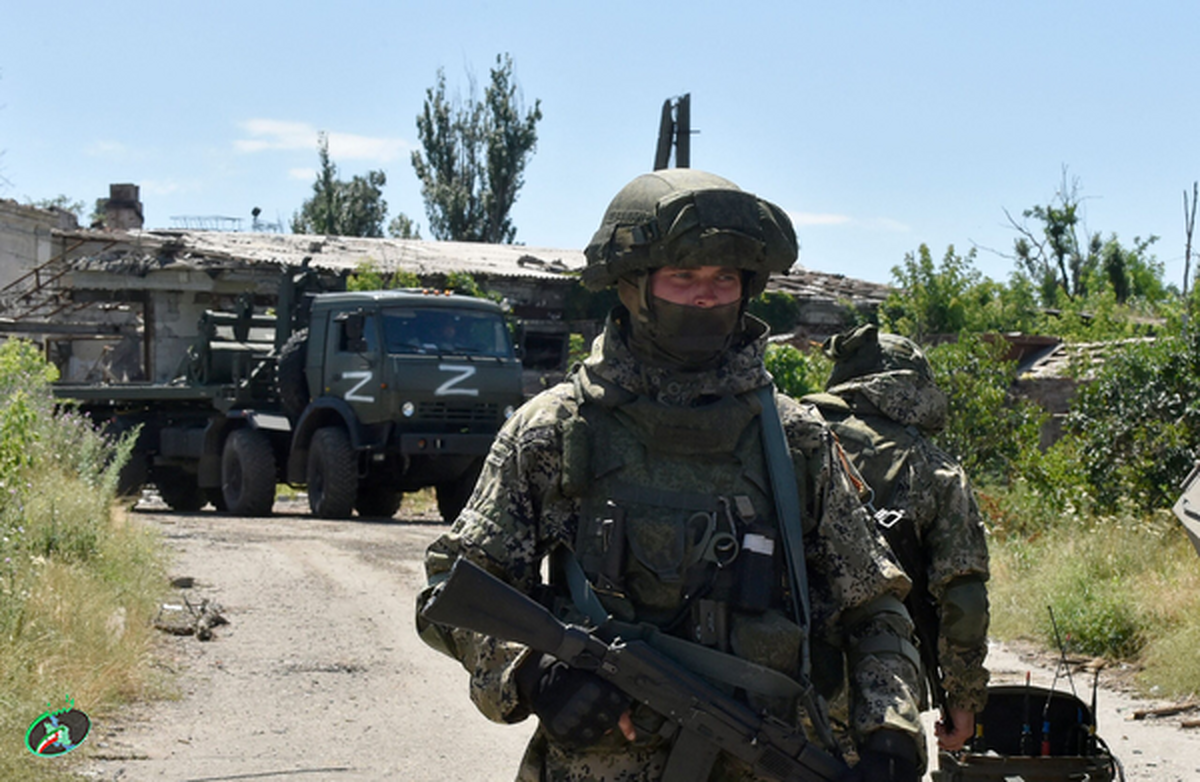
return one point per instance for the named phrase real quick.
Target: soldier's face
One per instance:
(702, 286)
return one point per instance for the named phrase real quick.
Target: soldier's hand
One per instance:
(887, 756)
(962, 723)
(577, 708)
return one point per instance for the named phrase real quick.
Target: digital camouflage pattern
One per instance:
(526, 504)
(902, 408)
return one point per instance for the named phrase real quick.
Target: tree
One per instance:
(1053, 255)
(337, 208)
(474, 158)
(62, 203)
(402, 227)
(952, 297)
(1057, 253)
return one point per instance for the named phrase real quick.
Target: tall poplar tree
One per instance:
(474, 157)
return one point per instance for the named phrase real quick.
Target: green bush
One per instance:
(1137, 424)
(780, 311)
(796, 373)
(367, 276)
(991, 433)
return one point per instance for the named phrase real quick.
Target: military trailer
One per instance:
(358, 396)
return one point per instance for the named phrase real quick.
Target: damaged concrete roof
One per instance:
(807, 284)
(141, 251)
(1079, 360)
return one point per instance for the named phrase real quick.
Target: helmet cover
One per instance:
(864, 351)
(689, 218)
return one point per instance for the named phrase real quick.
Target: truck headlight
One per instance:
(408, 409)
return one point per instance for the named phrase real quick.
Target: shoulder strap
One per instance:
(789, 509)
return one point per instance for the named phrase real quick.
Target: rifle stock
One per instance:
(473, 599)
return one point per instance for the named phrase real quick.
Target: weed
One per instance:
(1123, 588)
(78, 583)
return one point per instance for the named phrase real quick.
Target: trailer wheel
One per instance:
(178, 489)
(248, 473)
(289, 374)
(452, 496)
(332, 474)
(379, 502)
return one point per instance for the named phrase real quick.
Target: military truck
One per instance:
(358, 396)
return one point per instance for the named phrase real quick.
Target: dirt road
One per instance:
(320, 676)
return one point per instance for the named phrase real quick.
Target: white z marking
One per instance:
(363, 378)
(449, 387)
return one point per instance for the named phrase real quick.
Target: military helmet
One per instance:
(864, 351)
(685, 217)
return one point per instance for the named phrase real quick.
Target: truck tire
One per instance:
(452, 496)
(290, 379)
(178, 489)
(332, 474)
(248, 473)
(377, 502)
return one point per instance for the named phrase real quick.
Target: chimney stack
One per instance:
(124, 210)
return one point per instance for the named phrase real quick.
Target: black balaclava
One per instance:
(677, 336)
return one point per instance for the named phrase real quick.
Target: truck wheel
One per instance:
(332, 474)
(178, 489)
(452, 496)
(380, 502)
(248, 473)
(289, 374)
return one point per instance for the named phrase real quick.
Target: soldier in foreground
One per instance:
(646, 479)
(882, 403)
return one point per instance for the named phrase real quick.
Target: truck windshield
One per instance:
(441, 331)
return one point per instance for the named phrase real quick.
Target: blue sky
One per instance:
(878, 126)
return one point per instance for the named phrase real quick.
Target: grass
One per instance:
(77, 628)
(79, 582)
(1124, 589)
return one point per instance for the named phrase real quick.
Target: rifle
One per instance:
(706, 721)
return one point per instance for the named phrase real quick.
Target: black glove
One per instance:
(887, 756)
(576, 707)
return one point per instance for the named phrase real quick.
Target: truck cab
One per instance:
(405, 389)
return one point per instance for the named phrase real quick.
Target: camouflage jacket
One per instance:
(519, 512)
(870, 415)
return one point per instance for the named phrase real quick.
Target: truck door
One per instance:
(352, 359)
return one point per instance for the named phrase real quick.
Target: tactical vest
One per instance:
(677, 523)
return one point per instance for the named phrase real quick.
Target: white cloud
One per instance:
(347, 146)
(270, 134)
(276, 134)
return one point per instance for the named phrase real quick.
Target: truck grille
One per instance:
(458, 413)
